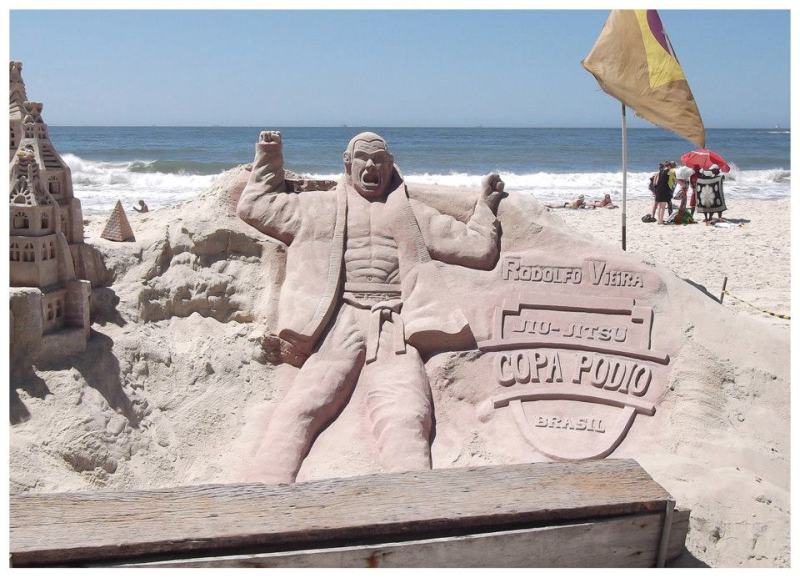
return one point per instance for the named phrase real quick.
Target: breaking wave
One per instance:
(164, 182)
(179, 167)
(99, 184)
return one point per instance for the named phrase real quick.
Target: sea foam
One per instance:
(159, 183)
(99, 184)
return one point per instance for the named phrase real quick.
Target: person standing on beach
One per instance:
(681, 216)
(693, 185)
(651, 185)
(710, 194)
(716, 173)
(672, 165)
(663, 191)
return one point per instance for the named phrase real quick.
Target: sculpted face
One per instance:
(369, 164)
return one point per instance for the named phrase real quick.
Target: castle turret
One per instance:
(55, 174)
(16, 108)
(46, 234)
(40, 255)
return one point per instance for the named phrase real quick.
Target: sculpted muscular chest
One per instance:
(370, 252)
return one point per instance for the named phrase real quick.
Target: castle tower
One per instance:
(29, 129)
(50, 303)
(40, 259)
(55, 174)
(16, 106)
(34, 227)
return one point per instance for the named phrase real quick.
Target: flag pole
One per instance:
(624, 173)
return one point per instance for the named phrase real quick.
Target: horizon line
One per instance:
(477, 126)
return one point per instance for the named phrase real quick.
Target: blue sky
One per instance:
(381, 68)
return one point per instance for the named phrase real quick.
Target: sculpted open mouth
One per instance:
(370, 179)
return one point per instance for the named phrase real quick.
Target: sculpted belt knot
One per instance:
(380, 312)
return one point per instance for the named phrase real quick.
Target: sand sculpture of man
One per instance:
(362, 294)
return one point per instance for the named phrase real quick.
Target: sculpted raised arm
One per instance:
(264, 203)
(472, 244)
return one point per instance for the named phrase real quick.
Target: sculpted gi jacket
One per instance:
(313, 226)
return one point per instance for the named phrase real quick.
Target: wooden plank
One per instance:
(72, 527)
(677, 536)
(625, 542)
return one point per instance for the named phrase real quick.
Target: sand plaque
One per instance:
(575, 371)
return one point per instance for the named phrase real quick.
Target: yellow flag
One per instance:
(634, 62)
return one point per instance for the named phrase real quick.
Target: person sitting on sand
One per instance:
(605, 202)
(141, 208)
(578, 203)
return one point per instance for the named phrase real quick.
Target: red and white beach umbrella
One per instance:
(705, 158)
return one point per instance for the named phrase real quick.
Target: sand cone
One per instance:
(118, 228)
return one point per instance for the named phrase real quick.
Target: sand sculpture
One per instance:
(51, 270)
(362, 295)
(364, 299)
(118, 228)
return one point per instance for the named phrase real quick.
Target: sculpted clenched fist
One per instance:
(270, 136)
(492, 190)
(269, 157)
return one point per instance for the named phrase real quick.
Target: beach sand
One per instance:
(755, 255)
(175, 380)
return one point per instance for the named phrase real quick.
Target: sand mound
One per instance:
(176, 380)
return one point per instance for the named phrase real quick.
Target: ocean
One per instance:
(168, 165)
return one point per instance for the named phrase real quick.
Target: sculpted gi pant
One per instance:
(365, 339)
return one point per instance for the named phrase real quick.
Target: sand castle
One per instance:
(51, 270)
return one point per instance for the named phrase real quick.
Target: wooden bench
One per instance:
(586, 514)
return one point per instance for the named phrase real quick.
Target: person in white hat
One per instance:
(681, 193)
